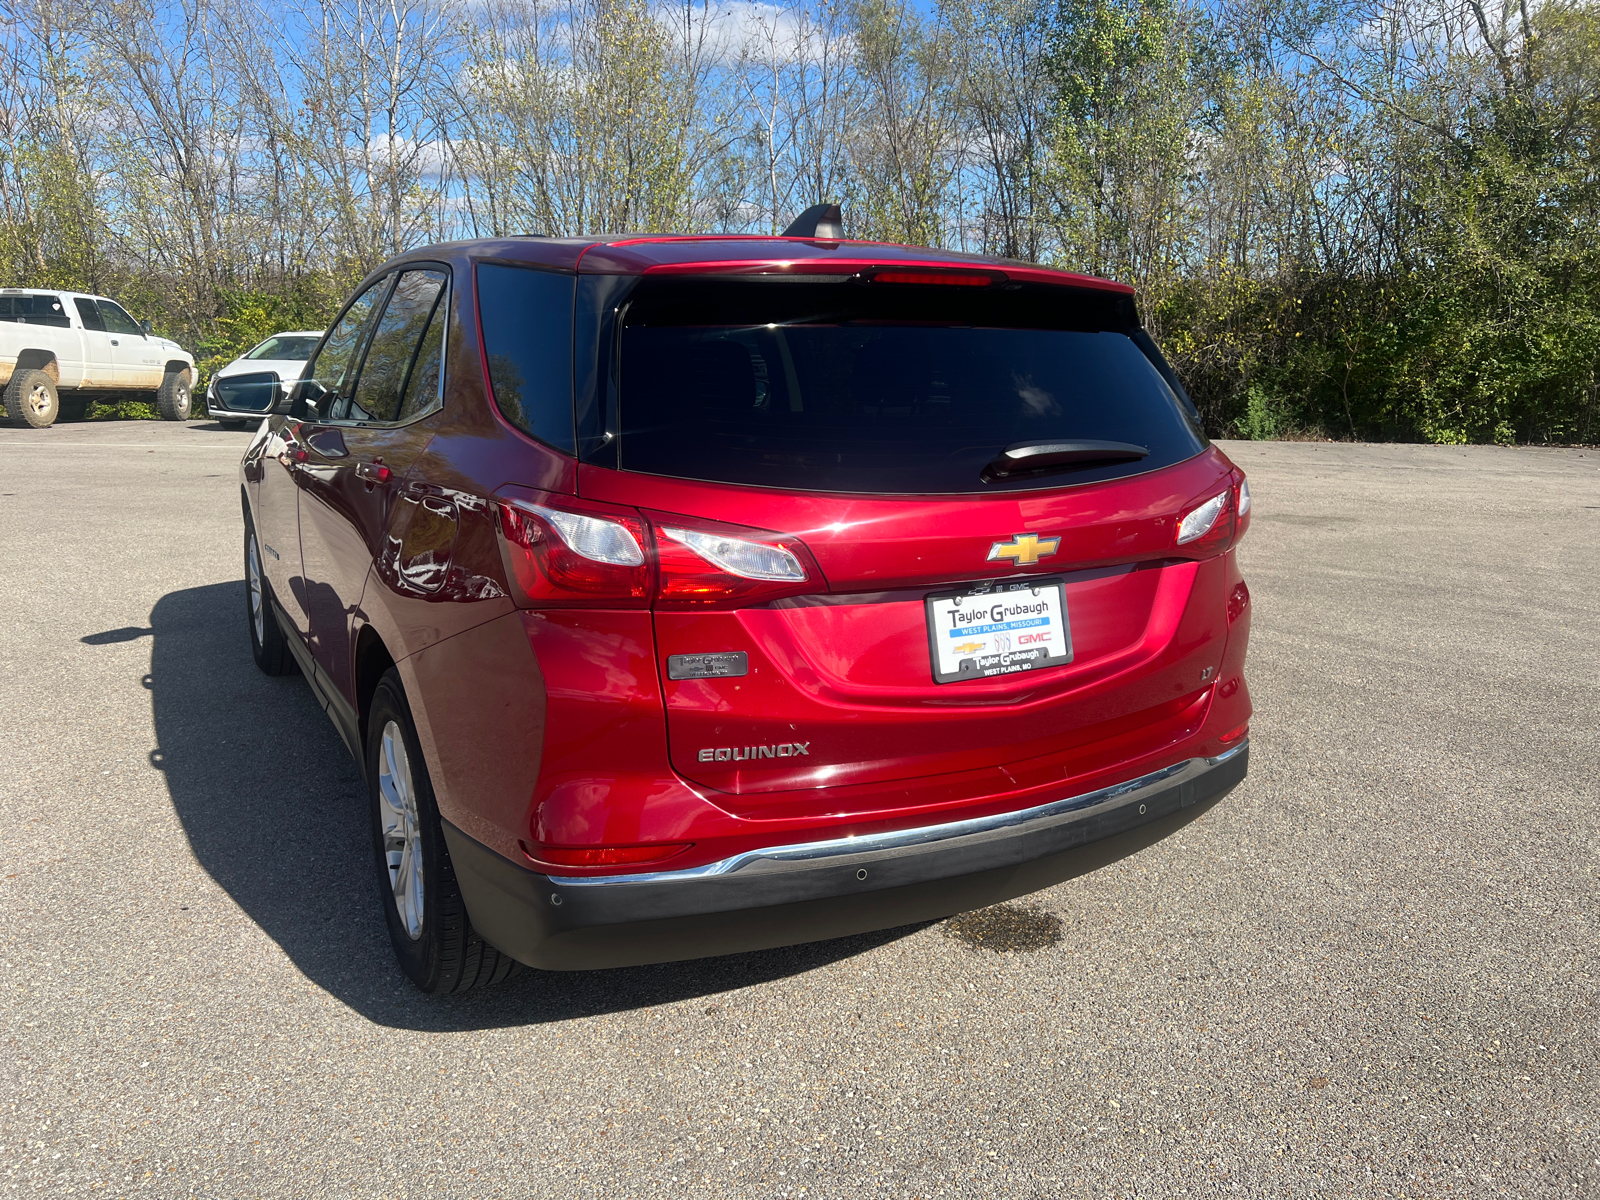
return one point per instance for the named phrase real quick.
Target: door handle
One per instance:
(373, 472)
(114, 342)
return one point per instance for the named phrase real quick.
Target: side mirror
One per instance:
(145, 327)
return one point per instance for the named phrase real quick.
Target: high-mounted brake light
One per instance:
(562, 555)
(948, 278)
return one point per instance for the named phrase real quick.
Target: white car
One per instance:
(61, 350)
(247, 388)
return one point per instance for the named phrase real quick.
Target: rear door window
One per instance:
(424, 390)
(885, 388)
(89, 314)
(397, 340)
(335, 366)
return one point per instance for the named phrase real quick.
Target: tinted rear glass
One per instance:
(883, 388)
(34, 310)
(526, 315)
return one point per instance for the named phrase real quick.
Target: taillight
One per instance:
(1207, 528)
(565, 551)
(704, 564)
(1218, 524)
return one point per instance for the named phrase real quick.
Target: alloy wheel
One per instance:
(402, 832)
(39, 399)
(258, 614)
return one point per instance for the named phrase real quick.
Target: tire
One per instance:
(30, 397)
(429, 928)
(268, 644)
(173, 398)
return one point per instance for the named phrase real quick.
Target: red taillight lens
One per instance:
(705, 564)
(562, 551)
(603, 856)
(1233, 735)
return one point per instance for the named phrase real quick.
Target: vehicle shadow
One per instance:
(273, 808)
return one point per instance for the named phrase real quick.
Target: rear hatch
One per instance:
(963, 615)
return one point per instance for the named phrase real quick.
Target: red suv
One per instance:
(689, 595)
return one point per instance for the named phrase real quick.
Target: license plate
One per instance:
(998, 629)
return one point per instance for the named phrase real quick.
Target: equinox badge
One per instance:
(1025, 548)
(740, 753)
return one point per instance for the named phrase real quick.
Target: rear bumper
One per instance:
(807, 892)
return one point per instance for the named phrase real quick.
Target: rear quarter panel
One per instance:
(64, 345)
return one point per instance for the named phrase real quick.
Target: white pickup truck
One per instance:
(60, 350)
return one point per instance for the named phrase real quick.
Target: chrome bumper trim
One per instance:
(1057, 812)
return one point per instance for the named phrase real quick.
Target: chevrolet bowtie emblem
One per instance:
(1025, 548)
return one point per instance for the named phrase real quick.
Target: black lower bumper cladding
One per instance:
(808, 892)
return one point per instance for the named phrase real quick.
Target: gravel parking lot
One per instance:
(1370, 971)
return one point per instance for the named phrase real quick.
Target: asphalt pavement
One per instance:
(1371, 971)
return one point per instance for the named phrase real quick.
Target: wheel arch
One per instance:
(174, 365)
(372, 661)
(40, 360)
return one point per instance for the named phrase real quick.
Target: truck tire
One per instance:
(173, 398)
(30, 397)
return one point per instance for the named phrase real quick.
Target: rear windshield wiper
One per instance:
(1028, 458)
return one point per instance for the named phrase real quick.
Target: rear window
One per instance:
(34, 310)
(885, 388)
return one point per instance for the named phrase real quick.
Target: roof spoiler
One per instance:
(823, 221)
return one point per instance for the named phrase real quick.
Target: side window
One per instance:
(89, 314)
(396, 341)
(526, 317)
(116, 320)
(335, 366)
(425, 389)
(34, 310)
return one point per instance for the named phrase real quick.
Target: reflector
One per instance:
(603, 856)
